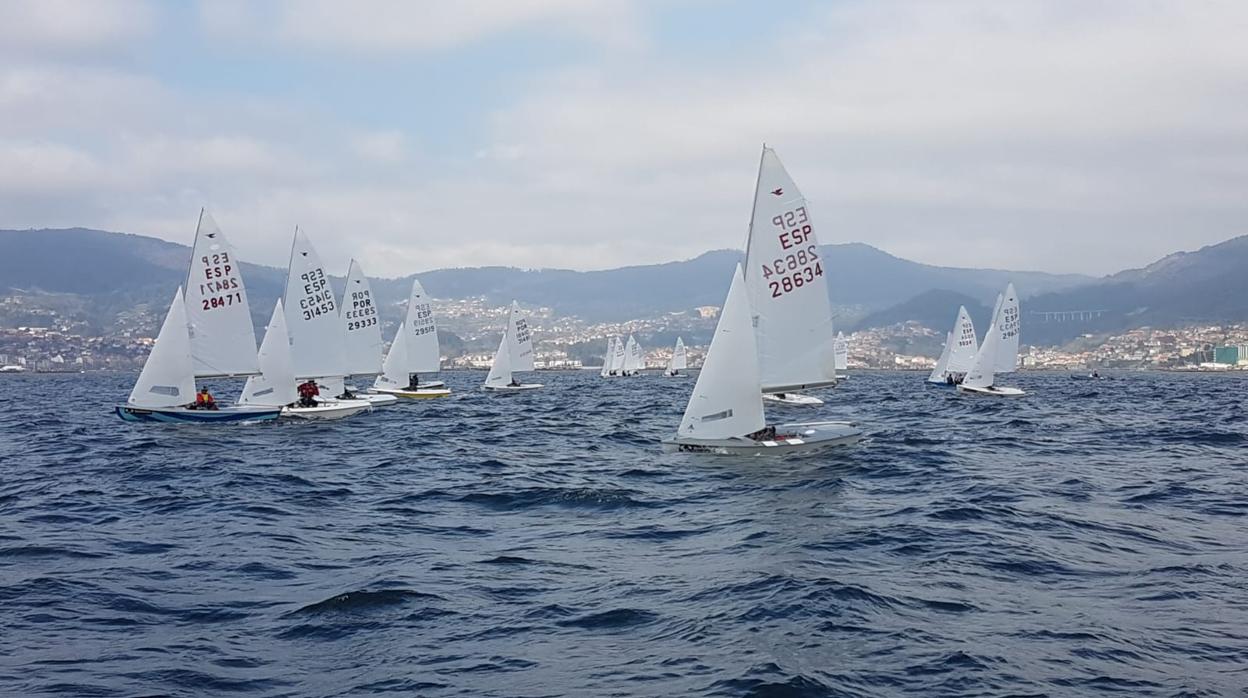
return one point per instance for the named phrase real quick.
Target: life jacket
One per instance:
(308, 390)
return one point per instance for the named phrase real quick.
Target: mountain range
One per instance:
(114, 272)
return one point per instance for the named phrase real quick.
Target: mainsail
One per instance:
(223, 339)
(167, 379)
(316, 336)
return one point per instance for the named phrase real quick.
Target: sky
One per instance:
(1056, 135)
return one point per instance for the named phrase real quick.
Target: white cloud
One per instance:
(381, 146)
(42, 26)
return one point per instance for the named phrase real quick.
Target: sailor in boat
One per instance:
(204, 400)
(346, 393)
(949, 378)
(764, 434)
(1096, 374)
(514, 383)
(308, 392)
(413, 381)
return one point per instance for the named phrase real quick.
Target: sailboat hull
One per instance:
(511, 388)
(418, 394)
(992, 391)
(182, 415)
(795, 399)
(328, 409)
(791, 439)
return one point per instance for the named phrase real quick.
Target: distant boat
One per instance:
(788, 289)
(12, 368)
(679, 361)
(317, 340)
(841, 354)
(414, 350)
(165, 390)
(998, 353)
(725, 412)
(959, 351)
(515, 353)
(358, 318)
(633, 358)
(617, 357)
(607, 358)
(207, 332)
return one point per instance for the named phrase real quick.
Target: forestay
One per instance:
(1008, 326)
(275, 386)
(788, 286)
(361, 324)
(520, 341)
(423, 352)
(167, 379)
(726, 401)
(316, 336)
(223, 340)
(394, 374)
(500, 368)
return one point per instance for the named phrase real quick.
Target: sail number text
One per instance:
(219, 279)
(422, 322)
(801, 266)
(362, 312)
(318, 299)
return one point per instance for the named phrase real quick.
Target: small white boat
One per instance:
(787, 286)
(634, 359)
(361, 327)
(998, 353)
(795, 399)
(679, 361)
(327, 409)
(617, 358)
(515, 353)
(605, 371)
(725, 412)
(840, 351)
(415, 349)
(958, 353)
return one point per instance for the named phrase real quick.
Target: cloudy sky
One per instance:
(1080, 135)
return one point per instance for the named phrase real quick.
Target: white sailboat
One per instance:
(788, 289)
(634, 359)
(617, 358)
(165, 390)
(998, 353)
(414, 350)
(275, 386)
(725, 412)
(959, 351)
(840, 347)
(362, 343)
(607, 358)
(216, 322)
(515, 353)
(317, 341)
(679, 361)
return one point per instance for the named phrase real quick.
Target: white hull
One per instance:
(991, 390)
(419, 394)
(328, 409)
(791, 438)
(512, 388)
(795, 399)
(377, 400)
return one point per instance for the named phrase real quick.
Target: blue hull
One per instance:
(178, 415)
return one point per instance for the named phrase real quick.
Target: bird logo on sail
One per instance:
(777, 191)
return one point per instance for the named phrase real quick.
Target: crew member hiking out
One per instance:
(308, 391)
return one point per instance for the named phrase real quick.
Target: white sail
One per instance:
(633, 360)
(1008, 325)
(617, 358)
(394, 373)
(942, 364)
(788, 285)
(423, 353)
(965, 345)
(167, 379)
(607, 358)
(726, 400)
(981, 373)
(679, 360)
(500, 368)
(841, 352)
(316, 337)
(223, 339)
(275, 386)
(361, 323)
(521, 341)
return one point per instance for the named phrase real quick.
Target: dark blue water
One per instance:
(1090, 538)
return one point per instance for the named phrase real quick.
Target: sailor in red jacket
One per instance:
(308, 392)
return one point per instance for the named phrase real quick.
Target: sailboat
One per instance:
(617, 357)
(725, 412)
(515, 353)
(317, 341)
(275, 386)
(998, 353)
(361, 328)
(679, 361)
(840, 352)
(214, 325)
(165, 390)
(959, 351)
(788, 289)
(634, 360)
(607, 358)
(414, 350)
